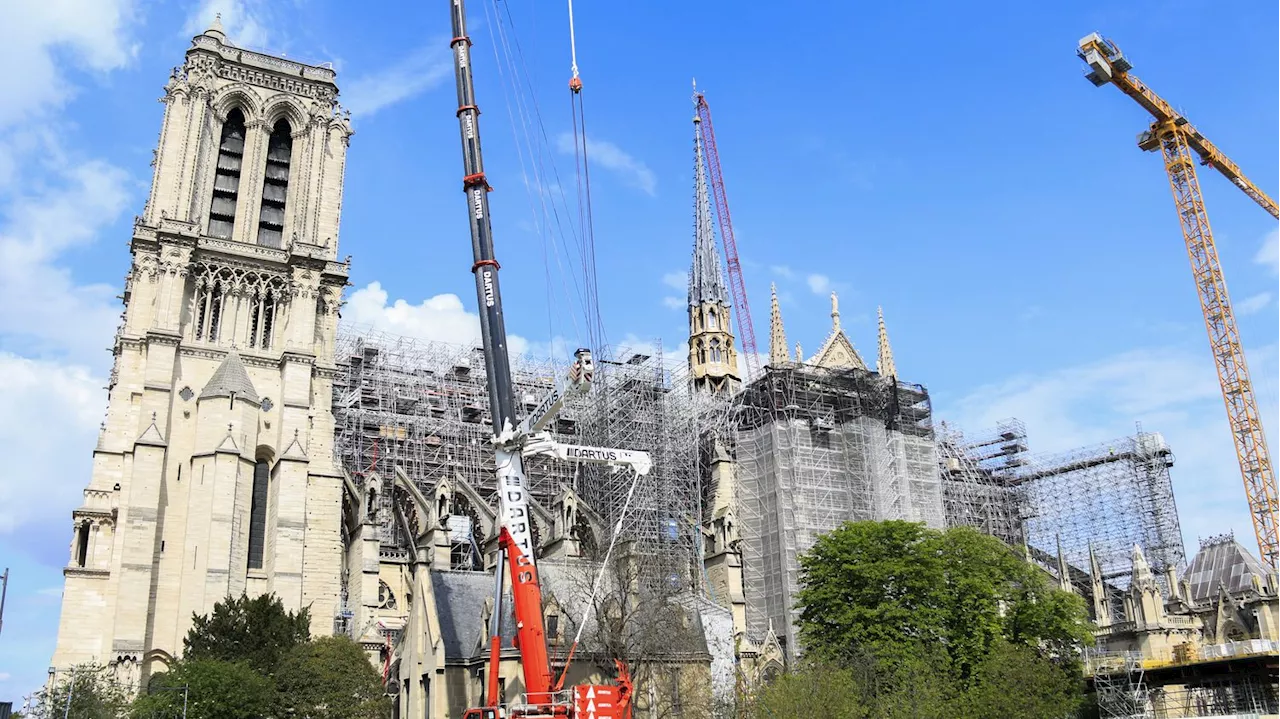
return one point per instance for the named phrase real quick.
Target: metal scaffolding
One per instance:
(976, 487)
(1110, 497)
(816, 448)
(422, 406)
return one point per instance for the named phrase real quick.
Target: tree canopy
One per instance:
(329, 678)
(890, 589)
(92, 692)
(215, 689)
(257, 631)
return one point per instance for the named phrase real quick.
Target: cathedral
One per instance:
(248, 448)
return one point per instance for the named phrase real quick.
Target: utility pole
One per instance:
(4, 589)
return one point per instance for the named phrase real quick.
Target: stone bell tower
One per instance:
(213, 474)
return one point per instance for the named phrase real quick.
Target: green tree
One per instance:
(893, 590)
(329, 678)
(257, 631)
(215, 689)
(817, 690)
(92, 691)
(1016, 682)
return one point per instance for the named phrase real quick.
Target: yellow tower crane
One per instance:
(1175, 137)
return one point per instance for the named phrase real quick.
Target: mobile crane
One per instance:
(544, 696)
(1176, 139)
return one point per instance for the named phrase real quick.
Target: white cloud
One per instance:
(782, 271)
(441, 318)
(243, 21)
(421, 70)
(1269, 253)
(40, 303)
(48, 407)
(93, 35)
(675, 303)
(613, 158)
(1170, 390)
(1253, 304)
(819, 284)
(676, 280)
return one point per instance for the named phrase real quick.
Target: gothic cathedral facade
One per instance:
(214, 471)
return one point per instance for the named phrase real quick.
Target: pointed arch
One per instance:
(226, 181)
(236, 97)
(284, 107)
(275, 186)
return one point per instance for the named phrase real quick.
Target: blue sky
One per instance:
(947, 163)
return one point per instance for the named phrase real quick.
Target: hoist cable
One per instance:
(550, 212)
(588, 293)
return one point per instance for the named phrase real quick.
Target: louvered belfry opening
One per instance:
(275, 186)
(226, 181)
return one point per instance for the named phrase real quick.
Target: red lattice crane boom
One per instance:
(746, 330)
(1176, 139)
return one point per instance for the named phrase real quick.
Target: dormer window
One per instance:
(226, 179)
(275, 186)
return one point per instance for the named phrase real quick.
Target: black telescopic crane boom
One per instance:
(493, 331)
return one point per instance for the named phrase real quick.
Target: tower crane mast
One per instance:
(746, 330)
(1176, 139)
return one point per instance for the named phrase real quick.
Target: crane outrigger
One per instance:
(513, 440)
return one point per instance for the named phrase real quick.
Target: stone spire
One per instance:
(799, 354)
(706, 283)
(215, 29)
(1101, 606)
(884, 363)
(713, 354)
(777, 335)
(1142, 575)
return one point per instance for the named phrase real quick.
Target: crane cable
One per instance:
(586, 219)
(595, 585)
(551, 197)
(512, 94)
(527, 115)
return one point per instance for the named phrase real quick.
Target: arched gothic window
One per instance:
(702, 353)
(262, 317)
(82, 544)
(211, 294)
(713, 321)
(258, 514)
(226, 180)
(275, 186)
(715, 351)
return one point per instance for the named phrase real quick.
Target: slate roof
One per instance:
(1222, 561)
(460, 606)
(230, 377)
